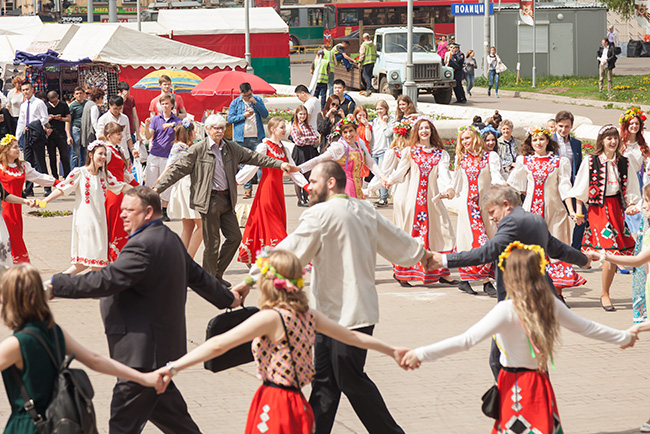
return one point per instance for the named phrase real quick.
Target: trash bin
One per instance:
(634, 48)
(645, 49)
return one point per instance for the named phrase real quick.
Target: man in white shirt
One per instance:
(114, 114)
(606, 62)
(31, 110)
(311, 103)
(342, 237)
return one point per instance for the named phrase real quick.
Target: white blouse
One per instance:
(520, 177)
(503, 321)
(580, 188)
(247, 172)
(335, 151)
(633, 154)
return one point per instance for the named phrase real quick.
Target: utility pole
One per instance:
(90, 12)
(534, 42)
(112, 11)
(410, 88)
(486, 36)
(139, 12)
(247, 52)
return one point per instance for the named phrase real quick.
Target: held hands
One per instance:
(410, 361)
(289, 168)
(578, 219)
(166, 377)
(156, 380)
(240, 291)
(398, 355)
(632, 210)
(431, 261)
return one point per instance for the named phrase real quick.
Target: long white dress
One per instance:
(391, 160)
(426, 173)
(473, 175)
(89, 245)
(179, 198)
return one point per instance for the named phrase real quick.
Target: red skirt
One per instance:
(417, 272)
(477, 272)
(527, 404)
(564, 276)
(606, 229)
(279, 411)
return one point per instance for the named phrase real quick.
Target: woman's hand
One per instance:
(165, 376)
(410, 361)
(578, 219)
(596, 256)
(398, 355)
(154, 379)
(632, 210)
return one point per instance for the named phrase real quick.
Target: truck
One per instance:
(389, 73)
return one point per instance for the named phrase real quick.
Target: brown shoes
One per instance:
(248, 194)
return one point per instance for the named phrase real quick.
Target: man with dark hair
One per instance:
(457, 62)
(367, 59)
(245, 114)
(160, 130)
(124, 90)
(342, 237)
(606, 57)
(114, 114)
(143, 296)
(310, 102)
(341, 56)
(166, 89)
(61, 137)
(77, 152)
(32, 110)
(347, 103)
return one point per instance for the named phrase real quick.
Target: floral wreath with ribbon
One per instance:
(471, 128)
(94, 144)
(7, 140)
(423, 118)
(632, 112)
(348, 120)
(532, 131)
(269, 272)
(543, 262)
(403, 127)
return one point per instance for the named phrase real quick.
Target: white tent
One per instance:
(150, 27)
(26, 26)
(220, 21)
(52, 37)
(116, 44)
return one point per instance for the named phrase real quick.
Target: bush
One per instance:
(507, 78)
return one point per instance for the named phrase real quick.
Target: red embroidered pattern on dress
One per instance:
(426, 161)
(472, 165)
(87, 190)
(540, 168)
(88, 262)
(275, 151)
(12, 171)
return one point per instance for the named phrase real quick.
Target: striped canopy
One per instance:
(182, 81)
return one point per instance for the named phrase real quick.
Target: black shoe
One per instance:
(165, 217)
(402, 283)
(349, 68)
(608, 308)
(466, 287)
(489, 289)
(446, 281)
(382, 202)
(27, 193)
(48, 191)
(302, 204)
(224, 282)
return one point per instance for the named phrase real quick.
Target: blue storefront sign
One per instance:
(470, 9)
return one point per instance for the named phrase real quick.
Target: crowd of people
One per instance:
(530, 207)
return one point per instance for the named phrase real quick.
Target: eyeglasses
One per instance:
(218, 128)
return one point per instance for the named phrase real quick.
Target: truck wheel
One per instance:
(294, 44)
(383, 85)
(443, 96)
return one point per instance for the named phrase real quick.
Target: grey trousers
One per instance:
(220, 218)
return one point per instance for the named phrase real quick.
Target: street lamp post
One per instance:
(247, 53)
(90, 12)
(410, 88)
(534, 42)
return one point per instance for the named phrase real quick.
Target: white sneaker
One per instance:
(645, 427)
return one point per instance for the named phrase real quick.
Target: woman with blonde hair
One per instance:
(526, 327)
(305, 139)
(476, 170)
(283, 335)
(25, 311)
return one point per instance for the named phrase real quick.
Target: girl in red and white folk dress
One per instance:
(606, 183)
(89, 247)
(545, 178)
(13, 174)
(476, 170)
(267, 220)
(424, 166)
(306, 143)
(117, 165)
(283, 335)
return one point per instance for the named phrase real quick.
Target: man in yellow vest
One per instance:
(367, 59)
(322, 65)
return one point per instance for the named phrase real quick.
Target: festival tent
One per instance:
(222, 30)
(52, 37)
(15, 34)
(137, 54)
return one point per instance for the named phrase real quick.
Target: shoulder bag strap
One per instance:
(29, 402)
(55, 361)
(293, 363)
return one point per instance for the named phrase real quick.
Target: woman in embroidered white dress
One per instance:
(89, 226)
(476, 170)
(545, 178)
(424, 166)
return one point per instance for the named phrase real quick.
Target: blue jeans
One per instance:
(494, 80)
(321, 89)
(366, 73)
(469, 78)
(77, 153)
(250, 143)
(383, 193)
(346, 62)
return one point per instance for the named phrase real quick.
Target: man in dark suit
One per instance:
(143, 308)
(606, 57)
(457, 61)
(571, 148)
(212, 164)
(503, 205)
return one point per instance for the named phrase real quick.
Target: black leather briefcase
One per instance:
(221, 324)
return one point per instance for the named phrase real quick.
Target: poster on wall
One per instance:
(526, 12)
(642, 12)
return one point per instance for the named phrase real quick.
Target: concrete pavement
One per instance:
(599, 388)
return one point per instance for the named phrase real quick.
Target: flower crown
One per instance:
(269, 272)
(519, 245)
(94, 144)
(633, 112)
(7, 140)
(187, 123)
(467, 128)
(402, 129)
(532, 131)
(605, 128)
(348, 120)
(423, 118)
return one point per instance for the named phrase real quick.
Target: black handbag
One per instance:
(490, 406)
(221, 324)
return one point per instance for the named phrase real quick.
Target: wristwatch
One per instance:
(171, 368)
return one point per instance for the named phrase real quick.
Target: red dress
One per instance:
(13, 180)
(117, 236)
(267, 219)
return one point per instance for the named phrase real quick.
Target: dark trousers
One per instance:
(35, 155)
(54, 142)
(321, 89)
(458, 89)
(339, 368)
(578, 230)
(220, 218)
(133, 405)
(366, 73)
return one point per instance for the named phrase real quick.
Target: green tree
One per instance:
(625, 8)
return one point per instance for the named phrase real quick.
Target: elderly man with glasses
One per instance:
(212, 164)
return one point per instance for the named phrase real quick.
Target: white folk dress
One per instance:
(546, 179)
(390, 163)
(425, 171)
(179, 198)
(473, 175)
(89, 245)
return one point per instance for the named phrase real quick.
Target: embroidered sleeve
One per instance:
(335, 151)
(35, 176)
(518, 178)
(399, 174)
(71, 183)
(113, 185)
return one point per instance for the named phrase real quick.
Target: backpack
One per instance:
(70, 410)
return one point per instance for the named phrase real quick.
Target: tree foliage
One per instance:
(625, 8)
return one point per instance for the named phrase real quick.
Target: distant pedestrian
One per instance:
(341, 56)
(129, 110)
(89, 121)
(14, 101)
(347, 103)
(322, 66)
(457, 62)
(327, 119)
(442, 47)
(155, 108)
(77, 152)
(367, 59)
(493, 61)
(469, 69)
(310, 102)
(61, 137)
(612, 36)
(606, 63)
(305, 139)
(508, 146)
(27, 133)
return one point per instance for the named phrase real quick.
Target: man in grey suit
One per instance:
(503, 205)
(143, 308)
(212, 165)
